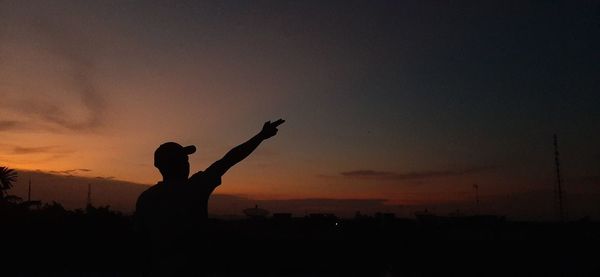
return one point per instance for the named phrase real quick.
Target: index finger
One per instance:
(278, 122)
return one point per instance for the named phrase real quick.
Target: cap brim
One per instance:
(189, 149)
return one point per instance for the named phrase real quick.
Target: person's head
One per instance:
(171, 159)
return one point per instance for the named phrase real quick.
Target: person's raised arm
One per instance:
(242, 151)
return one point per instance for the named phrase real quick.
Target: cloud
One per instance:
(414, 175)
(369, 174)
(8, 125)
(69, 171)
(72, 49)
(105, 177)
(77, 65)
(30, 150)
(326, 176)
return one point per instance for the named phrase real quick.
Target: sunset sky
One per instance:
(405, 101)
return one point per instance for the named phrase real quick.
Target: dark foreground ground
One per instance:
(101, 243)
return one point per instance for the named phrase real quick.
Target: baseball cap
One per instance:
(171, 152)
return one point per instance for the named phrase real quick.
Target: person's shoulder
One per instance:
(147, 198)
(204, 177)
(152, 190)
(199, 176)
(155, 188)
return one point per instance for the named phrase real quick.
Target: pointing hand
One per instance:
(270, 128)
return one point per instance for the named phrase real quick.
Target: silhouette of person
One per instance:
(171, 215)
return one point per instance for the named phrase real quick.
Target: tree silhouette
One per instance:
(7, 178)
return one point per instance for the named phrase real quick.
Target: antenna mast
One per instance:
(89, 195)
(29, 191)
(558, 190)
(476, 187)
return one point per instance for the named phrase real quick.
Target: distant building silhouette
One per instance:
(256, 213)
(282, 216)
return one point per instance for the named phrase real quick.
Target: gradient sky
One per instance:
(409, 101)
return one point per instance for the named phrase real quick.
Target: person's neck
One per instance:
(174, 180)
